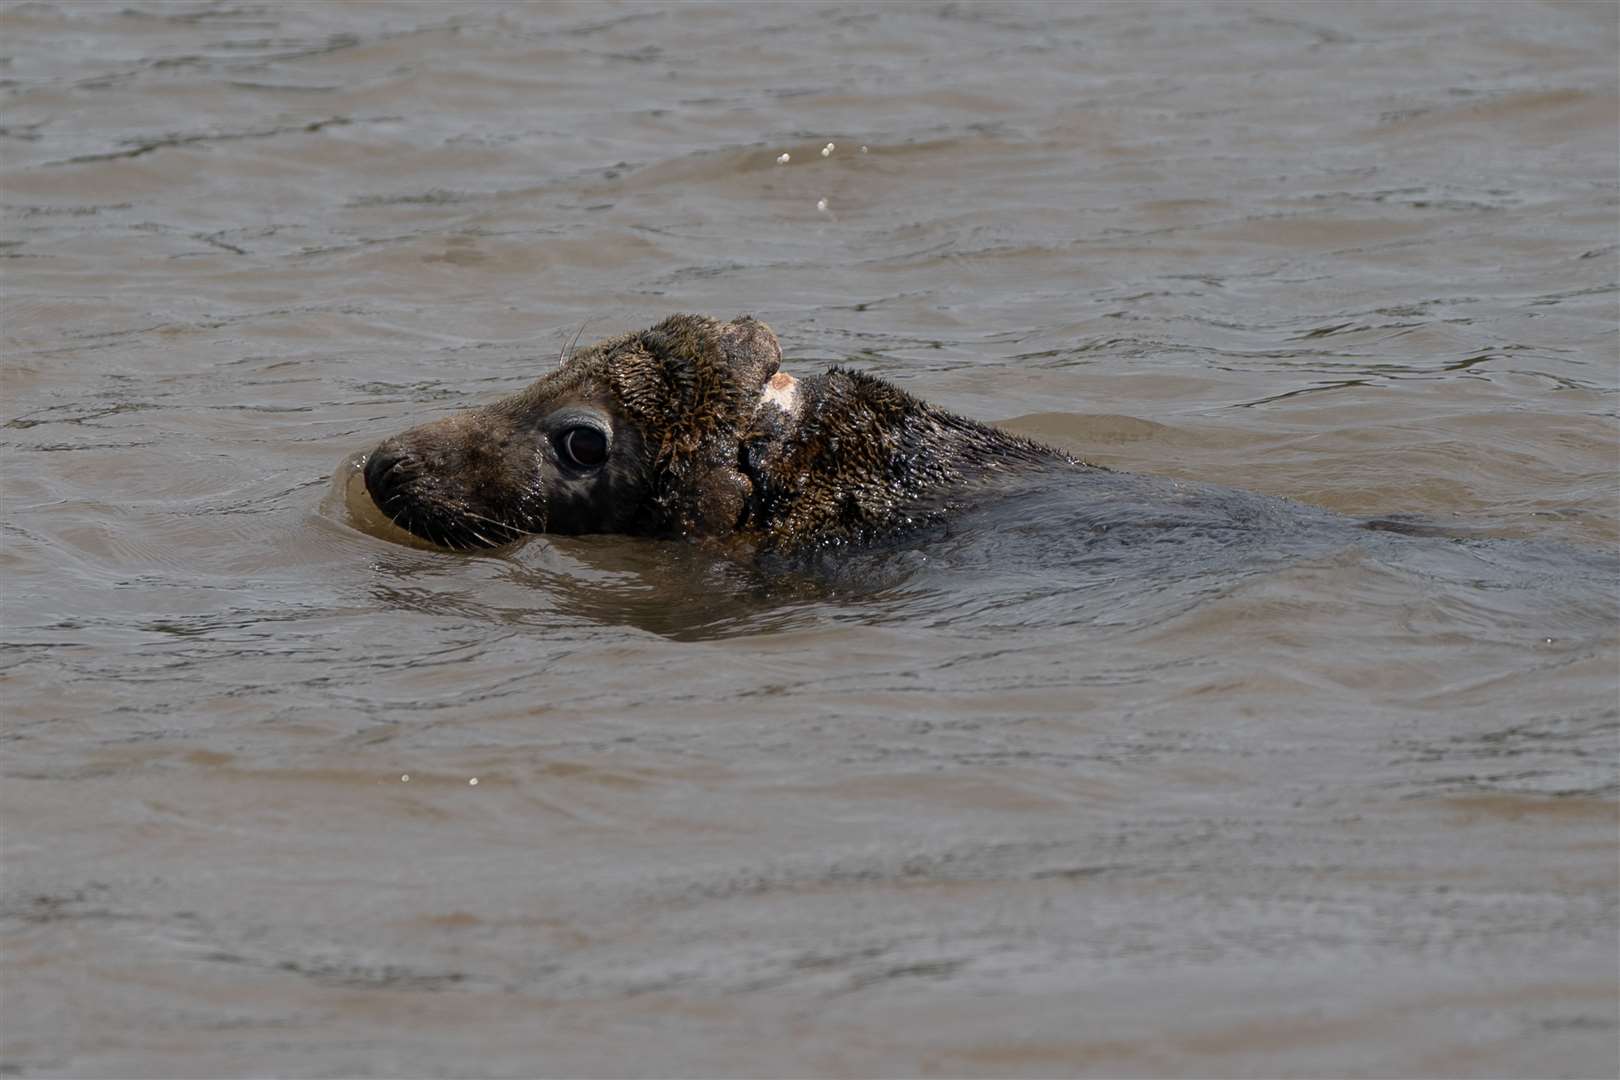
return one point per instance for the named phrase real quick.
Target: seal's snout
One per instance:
(387, 470)
(405, 478)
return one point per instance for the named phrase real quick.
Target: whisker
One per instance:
(505, 526)
(568, 353)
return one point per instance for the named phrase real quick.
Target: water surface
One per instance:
(998, 804)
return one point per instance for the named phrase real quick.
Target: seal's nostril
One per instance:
(384, 472)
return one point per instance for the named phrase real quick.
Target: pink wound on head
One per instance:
(782, 391)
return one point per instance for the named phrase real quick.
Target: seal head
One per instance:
(639, 434)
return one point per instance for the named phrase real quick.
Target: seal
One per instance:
(691, 429)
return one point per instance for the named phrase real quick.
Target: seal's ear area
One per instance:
(745, 346)
(752, 350)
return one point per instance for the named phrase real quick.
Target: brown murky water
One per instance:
(1348, 812)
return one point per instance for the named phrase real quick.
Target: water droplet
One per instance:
(784, 159)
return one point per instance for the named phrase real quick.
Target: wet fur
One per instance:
(702, 447)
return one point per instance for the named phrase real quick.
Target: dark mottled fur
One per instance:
(866, 459)
(695, 452)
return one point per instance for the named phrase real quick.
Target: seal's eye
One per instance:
(583, 446)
